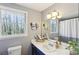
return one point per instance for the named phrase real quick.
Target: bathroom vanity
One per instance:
(48, 48)
(36, 51)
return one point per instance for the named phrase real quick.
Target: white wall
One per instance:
(33, 16)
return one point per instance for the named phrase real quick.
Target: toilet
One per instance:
(16, 50)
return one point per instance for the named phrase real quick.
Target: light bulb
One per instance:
(59, 16)
(54, 14)
(49, 16)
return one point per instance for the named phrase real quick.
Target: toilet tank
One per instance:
(14, 50)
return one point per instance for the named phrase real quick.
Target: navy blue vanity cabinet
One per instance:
(36, 51)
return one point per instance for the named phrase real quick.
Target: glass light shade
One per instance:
(54, 14)
(53, 17)
(59, 15)
(49, 16)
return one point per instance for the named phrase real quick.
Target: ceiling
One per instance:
(36, 6)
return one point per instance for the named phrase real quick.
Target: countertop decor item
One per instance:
(38, 38)
(34, 26)
(57, 45)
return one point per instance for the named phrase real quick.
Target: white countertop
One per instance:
(51, 50)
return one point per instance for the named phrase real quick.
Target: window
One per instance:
(73, 28)
(65, 28)
(69, 28)
(54, 26)
(12, 22)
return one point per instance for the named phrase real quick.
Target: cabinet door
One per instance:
(33, 50)
(39, 52)
(36, 51)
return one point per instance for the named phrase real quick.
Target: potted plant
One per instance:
(72, 47)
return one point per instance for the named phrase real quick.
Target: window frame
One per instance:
(51, 27)
(26, 19)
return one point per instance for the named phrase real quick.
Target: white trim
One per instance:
(26, 17)
(11, 36)
(26, 28)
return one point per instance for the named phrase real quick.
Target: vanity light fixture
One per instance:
(54, 15)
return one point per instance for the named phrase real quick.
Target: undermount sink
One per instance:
(50, 47)
(53, 50)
